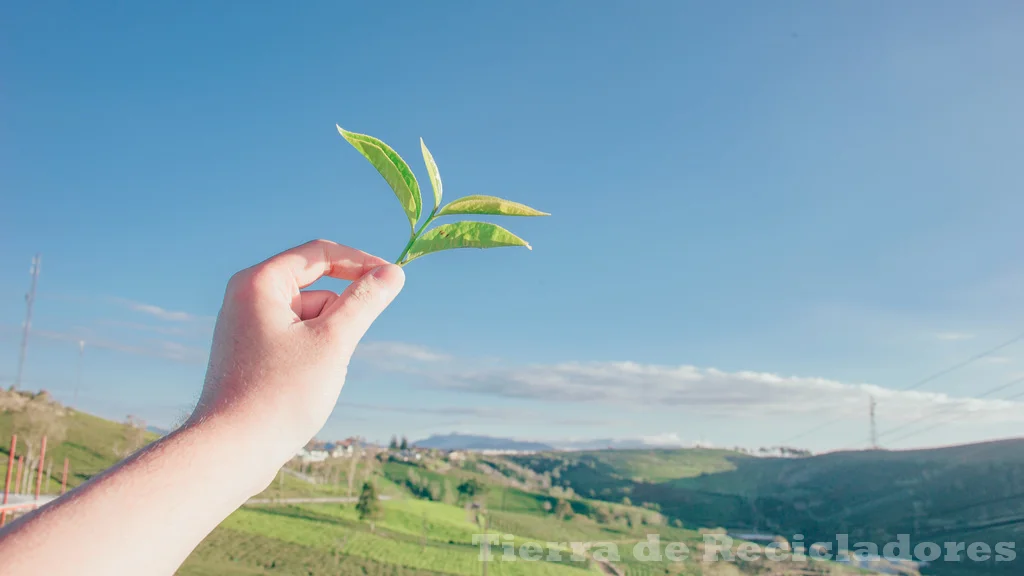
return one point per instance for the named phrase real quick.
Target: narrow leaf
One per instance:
(394, 170)
(435, 176)
(463, 235)
(488, 205)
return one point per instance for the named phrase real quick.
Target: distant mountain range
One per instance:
(457, 441)
(617, 444)
(475, 442)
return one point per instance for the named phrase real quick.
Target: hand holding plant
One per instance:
(464, 234)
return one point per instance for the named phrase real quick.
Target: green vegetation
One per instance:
(332, 531)
(369, 507)
(464, 234)
(90, 444)
(966, 493)
(435, 506)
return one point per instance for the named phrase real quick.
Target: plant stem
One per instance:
(416, 235)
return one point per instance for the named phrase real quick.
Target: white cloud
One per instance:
(475, 413)
(665, 439)
(953, 336)
(390, 351)
(165, 349)
(642, 387)
(712, 391)
(163, 313)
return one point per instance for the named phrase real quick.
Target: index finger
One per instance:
(313, 260)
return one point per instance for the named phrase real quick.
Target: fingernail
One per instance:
(390, 276)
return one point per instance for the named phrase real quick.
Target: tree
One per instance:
(353, 461)
(563, 511)
(39, 417)
(368, 506)
(393, 445)
(134, 436)
(634, 518)
(435, 492)
(450, 496)
(470, 488)
(405, 443)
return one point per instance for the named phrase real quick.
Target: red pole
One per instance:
(64, 478)
(7, 482)
(17, 479)
(39, 468)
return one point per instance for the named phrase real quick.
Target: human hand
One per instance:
(280, 354)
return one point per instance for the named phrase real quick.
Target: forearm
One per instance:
(277, 365)
(147, 514)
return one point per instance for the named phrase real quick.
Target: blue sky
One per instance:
(762, 213)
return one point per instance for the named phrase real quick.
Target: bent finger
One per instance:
(313, 260)
(352, 313)
(312, 303)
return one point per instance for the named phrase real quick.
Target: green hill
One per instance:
(964, 493)
(434, 509)
(91, 444)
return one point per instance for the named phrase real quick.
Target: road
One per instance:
(322, 500)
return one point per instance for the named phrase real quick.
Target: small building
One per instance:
(340, 451)
(407, 456)
(308, 456)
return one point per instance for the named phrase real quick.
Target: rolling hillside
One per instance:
(428, 522)
(964, 493)
(91, 444)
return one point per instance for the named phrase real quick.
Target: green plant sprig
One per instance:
(462, 234)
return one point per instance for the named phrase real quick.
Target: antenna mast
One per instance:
(30, 299)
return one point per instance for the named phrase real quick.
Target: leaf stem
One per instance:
(415, 235)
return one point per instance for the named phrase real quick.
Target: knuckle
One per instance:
(237, 280)
(247, 282)
(319, 243)
(367, 291)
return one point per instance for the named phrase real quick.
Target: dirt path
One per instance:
(320, 500)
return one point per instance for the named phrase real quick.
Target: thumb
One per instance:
(352, 313)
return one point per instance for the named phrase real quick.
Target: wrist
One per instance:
(245, 449)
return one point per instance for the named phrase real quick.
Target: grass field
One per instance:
(419, 537)
(397, 544)
(965, 493)
(90, 443)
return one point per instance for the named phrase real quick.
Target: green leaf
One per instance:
(435, 176)
(394, 170)
(463, 235)
(488, 205)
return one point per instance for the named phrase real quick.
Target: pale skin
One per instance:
(277, 366)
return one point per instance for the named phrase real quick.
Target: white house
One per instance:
(307, 456)
(340, 451)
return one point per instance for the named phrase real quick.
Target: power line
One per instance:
(811, 431)
(999, 388)
(970, 360)
(946, 421)
(1006, 498)
(968, 529)
(922, 382)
